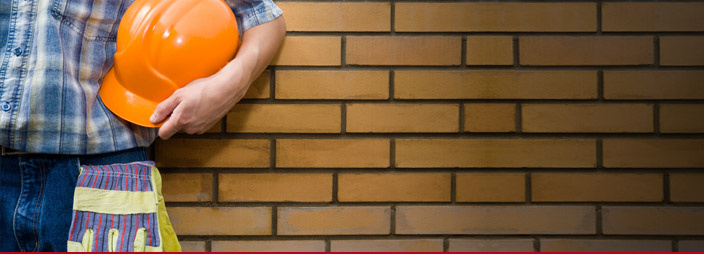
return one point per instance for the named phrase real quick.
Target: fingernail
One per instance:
(152, 118)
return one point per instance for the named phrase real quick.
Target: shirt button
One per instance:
(18, 51)
(6, 106)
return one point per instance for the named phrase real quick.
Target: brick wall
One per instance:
(458, 126)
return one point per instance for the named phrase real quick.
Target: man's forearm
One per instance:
(259, 46)
(195, 107)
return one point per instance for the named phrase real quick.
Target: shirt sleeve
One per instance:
(251, 13)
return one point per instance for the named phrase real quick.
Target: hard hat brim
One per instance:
(126, 104)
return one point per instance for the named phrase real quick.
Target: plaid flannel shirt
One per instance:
(53, 55)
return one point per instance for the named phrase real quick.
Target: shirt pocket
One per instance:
(96, 20)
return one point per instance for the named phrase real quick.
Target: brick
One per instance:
(404, 187)
(636, 85)
(586, 50)
(334, 220)
(415, 245)
(653, 153)
(221, 220)
(310, 51)
(192, 246)
(681, 50)
(587, 118)
(336, 17)
(489, 50)
(275, 187)
(653, 220)
(678, 118)
(491, 245)
(178, 187)
(403, 50)
(213, 153)
(284, 118)
(331, 153)
(495, 85)
(419, 153)
(269, 246)
(686, 187)
(690, 246)
(488, 220)
(495, 17)
(492, 187)
(216, 128)
(580, 245)
(490, 117)
(412, 118)
(330, 85)
(596, 187)
(643, 17)
(260, 88)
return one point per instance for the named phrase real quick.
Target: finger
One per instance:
(172, 125)
(164, 109)
(169, 128)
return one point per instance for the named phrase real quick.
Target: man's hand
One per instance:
(200, 104)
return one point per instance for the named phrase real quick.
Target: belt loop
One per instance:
(4, 151)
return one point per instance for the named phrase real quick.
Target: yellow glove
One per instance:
(120, 208)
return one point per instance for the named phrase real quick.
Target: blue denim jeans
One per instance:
(36, 197)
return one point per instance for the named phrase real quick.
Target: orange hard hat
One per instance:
(163, 45)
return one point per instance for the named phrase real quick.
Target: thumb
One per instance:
(164, 109)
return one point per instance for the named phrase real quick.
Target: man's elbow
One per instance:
(281, 26)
